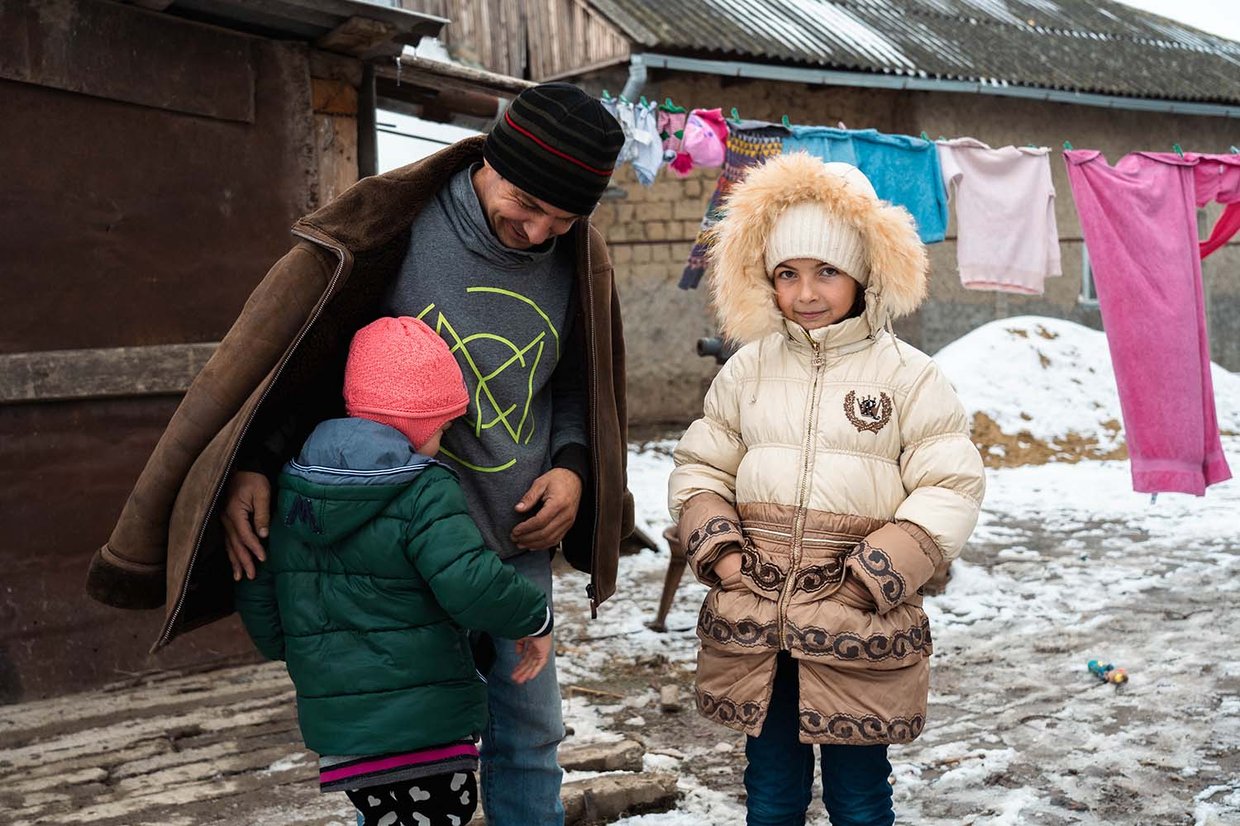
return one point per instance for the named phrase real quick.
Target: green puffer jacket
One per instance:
(374, 572)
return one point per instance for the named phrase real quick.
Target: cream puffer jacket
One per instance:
(839, 463)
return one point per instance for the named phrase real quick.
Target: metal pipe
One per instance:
(637, 78)
(830, 77)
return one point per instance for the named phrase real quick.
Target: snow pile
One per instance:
(1042, 390)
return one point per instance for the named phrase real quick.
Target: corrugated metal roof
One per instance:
(1099, 46)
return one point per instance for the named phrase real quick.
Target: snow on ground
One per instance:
(1053, 380)
(1067, 565)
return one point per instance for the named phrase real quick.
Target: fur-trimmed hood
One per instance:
(742, 290)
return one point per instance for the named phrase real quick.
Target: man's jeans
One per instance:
(520, 774)
(780, 773)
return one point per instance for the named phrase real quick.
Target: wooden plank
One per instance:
(362, 37)
(433, 74)
(56, 375)
(333, 97)
(124, 53)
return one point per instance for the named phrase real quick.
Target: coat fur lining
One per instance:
(743, 294)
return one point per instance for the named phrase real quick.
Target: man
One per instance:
(489, 243)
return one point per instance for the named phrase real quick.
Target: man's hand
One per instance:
(246, 515)
(559, 491)
(534, 651)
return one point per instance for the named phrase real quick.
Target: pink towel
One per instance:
(1138, 219)
(1217, 178)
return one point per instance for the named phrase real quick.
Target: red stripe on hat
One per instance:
(553, 150)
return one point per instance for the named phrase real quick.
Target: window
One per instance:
(1089, 295)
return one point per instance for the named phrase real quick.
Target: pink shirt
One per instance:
(1006, 237)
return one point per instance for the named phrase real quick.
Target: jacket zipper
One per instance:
(798, 521)
(592, 374)
(166, 635)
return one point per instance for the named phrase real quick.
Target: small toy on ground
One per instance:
(1108, 673)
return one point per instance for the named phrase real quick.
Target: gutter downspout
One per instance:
(875, 80)
(637, 78)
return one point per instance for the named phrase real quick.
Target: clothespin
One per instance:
(1177, 149)
(668, 106)
(1067, 145)
(606, 95)
(644, 103)
(1235, 150)
(736, 118)
(787, 123)
(924, 136)
(841, 125)
(625, 100)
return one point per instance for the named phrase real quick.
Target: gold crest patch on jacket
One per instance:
(867, 413)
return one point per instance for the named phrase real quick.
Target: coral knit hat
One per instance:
(401, 374)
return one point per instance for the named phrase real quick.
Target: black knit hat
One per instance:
(558, 144)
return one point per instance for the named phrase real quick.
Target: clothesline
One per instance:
(1004, 198)
(691, 138)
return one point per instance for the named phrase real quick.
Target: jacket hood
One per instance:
(743, 294)
(347, 473)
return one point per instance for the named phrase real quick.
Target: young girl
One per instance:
(830, 474)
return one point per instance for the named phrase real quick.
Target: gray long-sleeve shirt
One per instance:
(506, 314)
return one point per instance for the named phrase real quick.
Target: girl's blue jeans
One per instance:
(780, 773)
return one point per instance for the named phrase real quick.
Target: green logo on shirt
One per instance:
(487, 410)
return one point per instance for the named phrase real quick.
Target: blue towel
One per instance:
(903, 169)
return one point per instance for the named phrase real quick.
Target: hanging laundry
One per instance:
(622, 111)
(1006, 238)
(749, 144)
(643, 147)
(1217, 179)
(903, 169)
(1228, 225)
(671, 122)
(649, 155)
(1139, 225)
(706, 138)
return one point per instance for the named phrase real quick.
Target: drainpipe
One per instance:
(637, 78)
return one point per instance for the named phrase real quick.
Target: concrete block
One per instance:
(625, 755)
(657, 212)
(610, 797)
(687, 211)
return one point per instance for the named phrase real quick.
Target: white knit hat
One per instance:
(809, 230)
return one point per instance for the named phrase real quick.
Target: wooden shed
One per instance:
(154, 155)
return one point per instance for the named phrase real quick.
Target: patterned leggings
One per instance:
(438, 800)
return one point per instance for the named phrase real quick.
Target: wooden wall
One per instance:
(530, 39)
